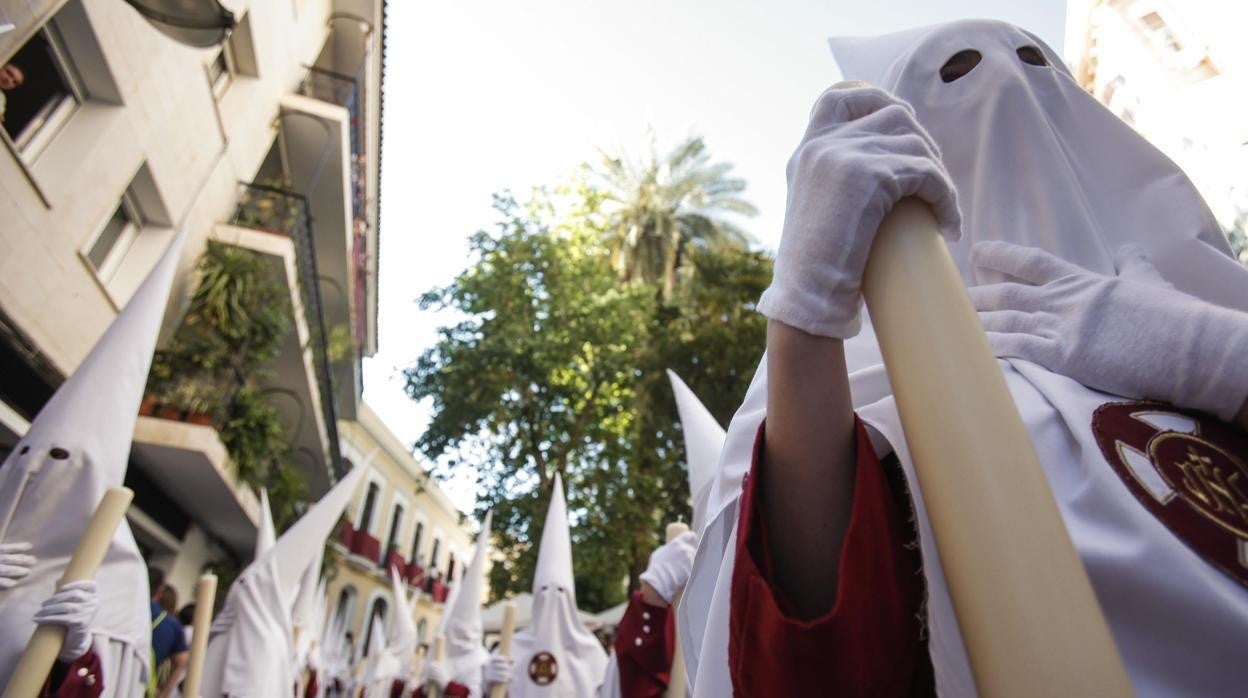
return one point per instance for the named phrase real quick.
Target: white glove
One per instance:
(498, 669)
(1131, 335)
(434, 673)
(670, 565)
(863, 151)
(73, 606)
(15, 563)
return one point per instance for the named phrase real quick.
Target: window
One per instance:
(396, 520)
(370, 503)
(221, 70)
(346, 606)
(420, 533)
(450, 568)
(376, 615)
(105, 250)
(236, 57)
(39, 91)
(433, 555)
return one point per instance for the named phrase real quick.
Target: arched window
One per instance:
(375, 615)
(450, 568)
(346, 606)
(420, 533)
(370, 504)
(396, 523)
(433, 555)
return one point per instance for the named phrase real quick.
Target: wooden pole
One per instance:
(432, 690)
(499, 690)
(205, 597)
(676, 677)
(1027, 612)
(45, 643)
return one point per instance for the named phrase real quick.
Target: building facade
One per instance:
(115, 136)
(1178, 73)
(399, 519)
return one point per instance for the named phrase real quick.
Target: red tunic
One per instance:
(644, 644)
(81, 679)
(871, 642)
(452, 690)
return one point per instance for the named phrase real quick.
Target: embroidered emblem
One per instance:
(1188, 469)
(543, 668)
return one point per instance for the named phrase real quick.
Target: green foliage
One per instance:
(658, 209)
(557, 366)
(237, 319)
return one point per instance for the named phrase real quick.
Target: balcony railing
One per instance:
(345, 91)
(275, 210)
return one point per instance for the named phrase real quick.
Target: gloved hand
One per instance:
(433, 673)
(498, 669)
(1131, 335)
(670, 565)
(15, 563)
(863, 151)
(72, 606)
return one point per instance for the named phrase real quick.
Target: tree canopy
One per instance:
(557, 367)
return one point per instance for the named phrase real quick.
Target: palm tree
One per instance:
(657, 208)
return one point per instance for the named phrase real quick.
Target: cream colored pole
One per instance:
(1028, 616)
(439, 651)
(676, 677)
(205, 596)
(45, 643)
(499, 690)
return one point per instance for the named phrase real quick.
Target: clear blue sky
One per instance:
(494, 94)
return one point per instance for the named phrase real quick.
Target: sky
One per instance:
(489, 95)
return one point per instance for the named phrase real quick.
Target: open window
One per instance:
(39, 91)
(236, 57)
(139, 214)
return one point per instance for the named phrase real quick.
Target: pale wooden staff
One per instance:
(499, 690)
(676, 677)
(1028, 616)
(439, 651)
(205, 597)
(45, 643)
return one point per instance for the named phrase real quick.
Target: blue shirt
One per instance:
(168, 637)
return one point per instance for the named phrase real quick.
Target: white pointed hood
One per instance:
(403, 632)
(556, 655)
(250, 647)
(461, 624)
(266, 534)
(308, 611)
(704, 439)
(77, 448)
(1036, 162)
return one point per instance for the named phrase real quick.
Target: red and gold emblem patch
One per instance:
(543, 668)
(1188, 469)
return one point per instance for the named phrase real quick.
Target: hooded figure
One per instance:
(461, 624)
(1039, 163)
(250, 645)
(75, 450)
(704, 440)
(556, 655)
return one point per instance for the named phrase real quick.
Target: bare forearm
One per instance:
(808, 481)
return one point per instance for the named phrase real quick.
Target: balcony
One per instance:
(365, 546)
(277, 223)
(190, 464)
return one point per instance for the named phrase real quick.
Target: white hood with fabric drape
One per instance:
(76, 449)
(1037, 162)
(556, 656)
(704, 440)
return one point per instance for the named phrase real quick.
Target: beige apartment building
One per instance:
(269, 141)
(398, 519)
(1176, 71)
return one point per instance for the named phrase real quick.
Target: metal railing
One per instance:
(281, 212)
(346, 91)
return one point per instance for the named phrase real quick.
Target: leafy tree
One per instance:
(557, 367)
(658, 208)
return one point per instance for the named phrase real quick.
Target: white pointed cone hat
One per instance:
(461, 624)
(404, 628)
(704, 439)
(305, 540)
(554, 557)
(266, 534)
(77, 448)
(871, 59)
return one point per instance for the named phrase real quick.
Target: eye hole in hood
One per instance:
(959, 64)
(1031, 55)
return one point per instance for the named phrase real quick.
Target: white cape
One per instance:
(1036, 162)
